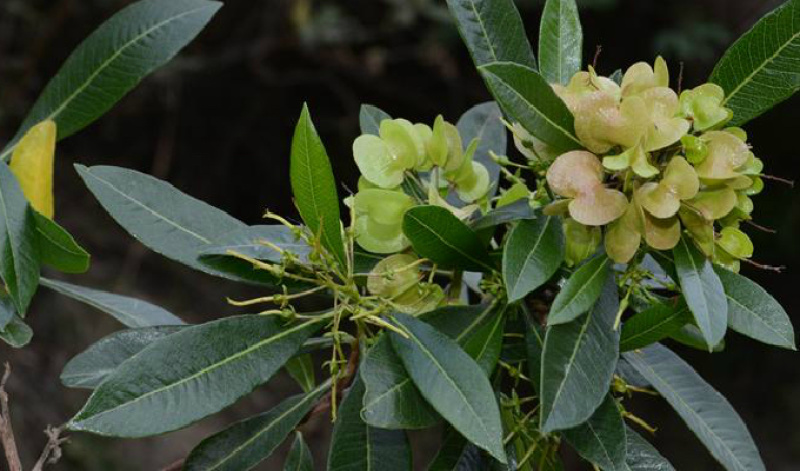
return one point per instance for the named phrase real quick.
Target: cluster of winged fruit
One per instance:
(654, 163)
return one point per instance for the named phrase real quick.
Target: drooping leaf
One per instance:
(89, 368)
(754, 313)
(760, 70)
(532, 254)
(16, 332)
(707, 413)
(131, 312)
(580, 291)
(483, 122)
(560, 41)
(436, 234)
(314, 186)
(451, 382)
(299, 458)
(652, 325)
(601, 439)
(702, 291)
(301, 369)
(152, 394)
(355, 446)
(258, 241)
(370, 117)
(577, 364)
(691, 336)
(246, 443)
(113, 60)
(511, 212)
(642, 456)
(527, 98)
(58, 249)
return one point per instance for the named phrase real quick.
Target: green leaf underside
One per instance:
(702, 290)
(314, 186)
(370, 117)
(131, 312)
(16, 332)
(601, 439)
(529, 100)
(691, 336)
(301, 369)
(58, 248)
(436, 234)
(707, 413)
(560, 41)
(509, 213)
(451, 382)
(642, 456)
(533, 253)
(246, 443)
(761, 69)
(578, 363)
(483, 122)
(113, 60)
(580, 291)
(151, 394)
(89, 368)
(355, 446)
(252, 242)
(754, 313)
(299, 458)
(652, 325)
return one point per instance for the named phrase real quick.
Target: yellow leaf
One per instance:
(32, 164)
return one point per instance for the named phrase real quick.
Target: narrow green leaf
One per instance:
(451, 382)
(601, 439)
(652, 325)
(257, 241)
(58, 248)
(246, 443)
(580, 291)
(370, 117)
(89, 368)
(113, 60)
(436, 234)
(761, 69)
(515, 211)
(642, 456)
(299, 458)
(560, 41)
(457, 454)
(578, 363)
(484, 122)
(533, 253)
(485, 344)
(355, 446)
(301, 369)
(493, 31)
(131, 312)
(691, 336)
(534, 347)
(707, 413)
(702, 290)
(754, 313)
(314, 186)
(152, 394)
(528, 99)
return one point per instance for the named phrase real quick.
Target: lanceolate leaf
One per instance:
(492, 31)
(702, 290)
(528, 99)
(131, 312)
(652, 325)
(258, 241)
(370, 117)
(483, 122)
(57, 248)
(760, 70)
(601, 440)
(485, 344)
(754, 313)
(532, 254)
(457, 454)
(245, 444)
(301, 369)
(581, 290)
(355, 446)
(642, 456)
(436, 234)
(299, 458)
(691, 336)
(560, 41)
(451, 382)
(515, 211)
(577, 364)
(152, 394)
(113, 60)
(705, 411)
(314, 186)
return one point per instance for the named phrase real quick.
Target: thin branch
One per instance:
(6, 430)
(785, 181)
(760, 227)
(597, 55)
(52, 450)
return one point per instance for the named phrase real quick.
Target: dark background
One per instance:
(217, 123)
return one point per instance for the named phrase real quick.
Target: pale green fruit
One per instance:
(423, 297)
(424, 134)
(401, 137)
(584, 84)
(726, 153)
(475, 185)
(661, 234)
(744, 203)
(601, 122)
(704, 105)
(624, 236)
(598, 207)
(517, 192)
(735, 242)
(557, 208)
(701, 230)
(635, 158)
(756, 188)
(641, 77)
(455, 149)
(582, 241)
(376, 162)
(437, 146)
(392, 276)
(531, 147)
(726, 260)
(695, 148)
(379, 218)
(714, 204)
(740, 133)
(666, 128)
(663, 199)
(753, 166)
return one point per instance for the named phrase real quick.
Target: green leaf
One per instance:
(560, 41)
(534, 347)
(131, 312)
(370, 117)
(250, 241)
(529, 100)
(16, 332)
(314, 186)
(152, 394)
(58, 248)
(642, 456)
(577, 364)
(355, 446)
(691, 336)
(246, 443)
(580, 291)
(7, 310)
(484, 122)
(19, 251)
(705, 411)
(602, 439)
(493, 31)
(457, 454)
(515, 211)
(760, 70)
(652, 325)
(299, 458)
(301, 369)
(485, 344)
(754, 313)
(89, 368)
(114, 59)
(436, 234)
(451, 382)
(533, 253)
(702, 290)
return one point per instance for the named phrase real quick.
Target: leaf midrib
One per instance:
(531, 254)
(581, 289)
(757, 316)
(652, 327)
(447, 243)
